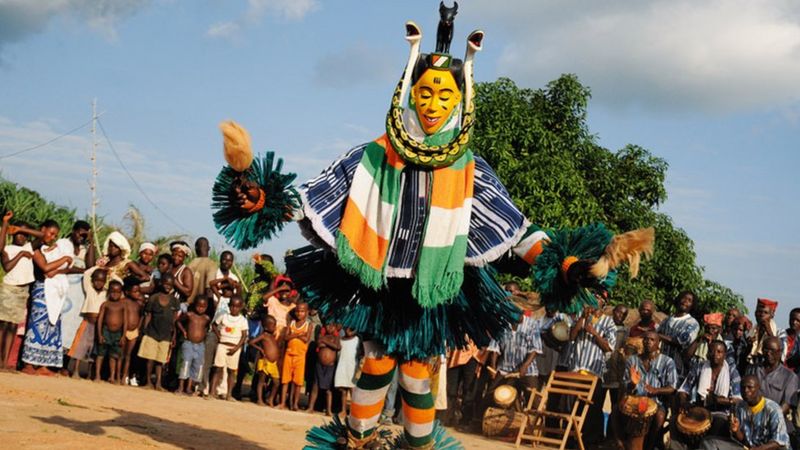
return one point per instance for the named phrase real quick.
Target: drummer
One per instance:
(778, 383)
(513, 353)
(698, 350)
(653, 375)
(714, 385)
(757, 423)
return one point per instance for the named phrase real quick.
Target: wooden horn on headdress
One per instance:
(474, 45)
(414, 37)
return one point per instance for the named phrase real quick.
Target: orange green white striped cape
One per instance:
(370, 215)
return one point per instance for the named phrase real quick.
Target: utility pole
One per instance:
(93, 186)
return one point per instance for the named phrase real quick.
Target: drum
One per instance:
(638, 412)
(503, 423)
(693, 424)
(560, 332)
(505, 396)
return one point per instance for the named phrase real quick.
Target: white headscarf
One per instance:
(120, 241)
(148, 246)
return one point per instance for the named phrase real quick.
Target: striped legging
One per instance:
(370, 393)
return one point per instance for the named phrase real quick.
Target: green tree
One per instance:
(539, 143)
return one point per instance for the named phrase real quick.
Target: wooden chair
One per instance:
(537, 425)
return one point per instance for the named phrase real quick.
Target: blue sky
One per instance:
(710, 87)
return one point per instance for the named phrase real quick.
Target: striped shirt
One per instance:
(689, 385)
(660, 375)
(586, 354)
(515, 345)
(764, 427)
(683, 330)
(551, 357)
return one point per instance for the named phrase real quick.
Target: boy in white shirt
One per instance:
(231, 330)
(17, 261)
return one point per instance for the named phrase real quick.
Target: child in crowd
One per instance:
(297, 336)
(328, 344)
(163, 265)
(267, 365)
(17, 261)
(142, 269)
(160, 314)
(194, 346)
(225, 283)
(344, 379)
(94, 285)
(113, 322)
(279, 302)
(231, 330)
(134, 303)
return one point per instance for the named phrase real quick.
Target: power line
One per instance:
(136, 183)
(25, 150)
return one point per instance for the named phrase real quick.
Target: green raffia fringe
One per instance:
(244, 230)
(441, 440)
(356, 266)
(390, 315)
(587, 242)
(324, 437)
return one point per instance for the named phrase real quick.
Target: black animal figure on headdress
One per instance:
(444, 34)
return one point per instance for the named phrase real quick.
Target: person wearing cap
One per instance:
(699, 348)
(678, 331)
(184, 278)
(204, 269)
(778, 383)
(765, 328)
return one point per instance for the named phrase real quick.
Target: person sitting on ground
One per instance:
(328, 346)
(17, 262)
(698, 350)
(112, 322)
(712, 384)
(267, 366)
(94, 286)
(652, 375)
(160, 314)
(231, 330)
(757, 423)
(134, 304)
(297, 336)
(778, 383)
(194, 345)
(646, 322)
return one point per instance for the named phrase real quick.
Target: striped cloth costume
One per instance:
(586, 354)
(661, 374)
(475, 222)
(684, 331)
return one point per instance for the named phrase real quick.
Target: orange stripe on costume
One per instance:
(452, 186)
(533, 252)
(392, 158)
(364, 241)
(416, 369)
(366, 411)
(418, 416)
(378, 366)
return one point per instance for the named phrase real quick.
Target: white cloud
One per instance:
(717, 56)
(22, 18)
(257, 10)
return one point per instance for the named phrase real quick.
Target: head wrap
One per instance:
(713, 319)
(120, 241)
(148, 246)
(767, 303)
(182, 246)
(281, 279)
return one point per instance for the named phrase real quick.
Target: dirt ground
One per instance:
(39, 412)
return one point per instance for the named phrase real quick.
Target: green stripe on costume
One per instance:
(369, 382)
(440, 273)
(418, 401)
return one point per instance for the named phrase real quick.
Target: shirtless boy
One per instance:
(113, 321)
(134, 302)
(328, 345)
(267, 347)
(194, 346)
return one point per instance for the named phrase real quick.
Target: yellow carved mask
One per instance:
(435, 96)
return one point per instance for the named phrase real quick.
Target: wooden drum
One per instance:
(693, 424)
(505, 396)
(638, 412)
(501, 422)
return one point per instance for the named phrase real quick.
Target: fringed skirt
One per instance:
(391, 316)
(42, 345)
